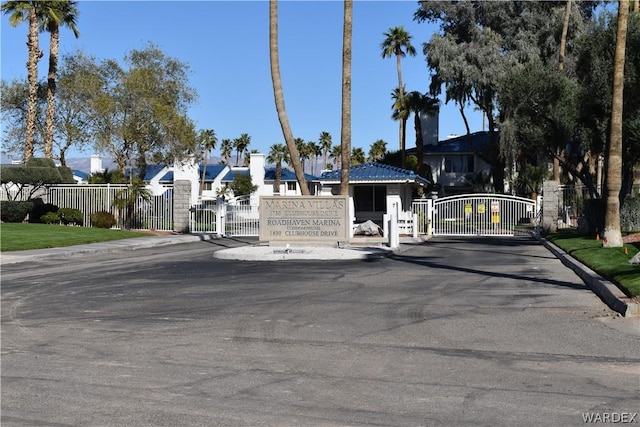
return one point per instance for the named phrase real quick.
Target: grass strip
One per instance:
(20, 237)
(610, 263)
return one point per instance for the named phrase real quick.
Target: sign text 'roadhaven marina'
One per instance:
(304, 218)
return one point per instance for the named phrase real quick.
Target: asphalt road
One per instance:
(450, 332)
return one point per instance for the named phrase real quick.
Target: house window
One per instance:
(458, 163)
(207, 186)
(370, 198)
(291, 186)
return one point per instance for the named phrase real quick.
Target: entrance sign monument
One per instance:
(310, 219)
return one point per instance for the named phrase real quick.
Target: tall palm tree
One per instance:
(278, 95)
(19, 12)
(345, 128)
(401, 113)
(226, 147)
(377, 150)
(55, 14)
(420, 103)
(241, 145)
(325, 145)
(277, 154)
(397, 43)
(207, 140)
(612, 234)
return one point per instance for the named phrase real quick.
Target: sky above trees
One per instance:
(226, 46)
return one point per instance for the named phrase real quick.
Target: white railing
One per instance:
(229, 218)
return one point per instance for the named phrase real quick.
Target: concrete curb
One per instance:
(607, 291)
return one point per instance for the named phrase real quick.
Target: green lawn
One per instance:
(611, 263)
(19, 237)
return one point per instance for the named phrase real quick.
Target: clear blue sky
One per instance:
(226, 45)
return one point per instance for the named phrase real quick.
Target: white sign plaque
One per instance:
(304, 218)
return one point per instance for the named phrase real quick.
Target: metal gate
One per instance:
(225, 219)
(483, 215)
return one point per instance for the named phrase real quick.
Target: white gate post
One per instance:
(221, 214)
(394, 235)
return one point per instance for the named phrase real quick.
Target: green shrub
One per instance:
(14, 211)
(71, 216)
(102, 219)
(51, 218)
(39, 209)
(630, 214)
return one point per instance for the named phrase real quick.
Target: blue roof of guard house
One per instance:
(373, 171)
(477, 141)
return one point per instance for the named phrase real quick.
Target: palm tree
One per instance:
(226, 147)
(336, 155)
(207, 140)
(314, 152)
(357, 156)
(278, 95)
(397, 43)
(54, 15)
(125, 202)
(419, 103)
(377, 150)
(27, 11)
(303, 151)
(277, 155)
(241, 145)
(401, 113)
(612, 235)
(345, 128)
(325, 146)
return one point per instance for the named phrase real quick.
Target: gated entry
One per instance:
(482, 215)
(225, 219)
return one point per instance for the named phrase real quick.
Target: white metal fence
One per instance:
(483, 215)
(153, 214)
(225, 219)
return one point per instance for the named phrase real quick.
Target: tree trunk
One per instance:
(612, 234)
(51, 91)
(278, 95)
(276, 183)
(32, 78)
(345, 130)
(563, 44)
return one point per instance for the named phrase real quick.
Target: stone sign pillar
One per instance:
(550, 206)
(181, 205)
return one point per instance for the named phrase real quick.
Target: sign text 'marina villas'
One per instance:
(304, 218)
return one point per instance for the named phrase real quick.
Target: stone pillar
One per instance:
(181, 205)
(550, 206)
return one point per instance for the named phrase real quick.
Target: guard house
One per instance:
(376, 189)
